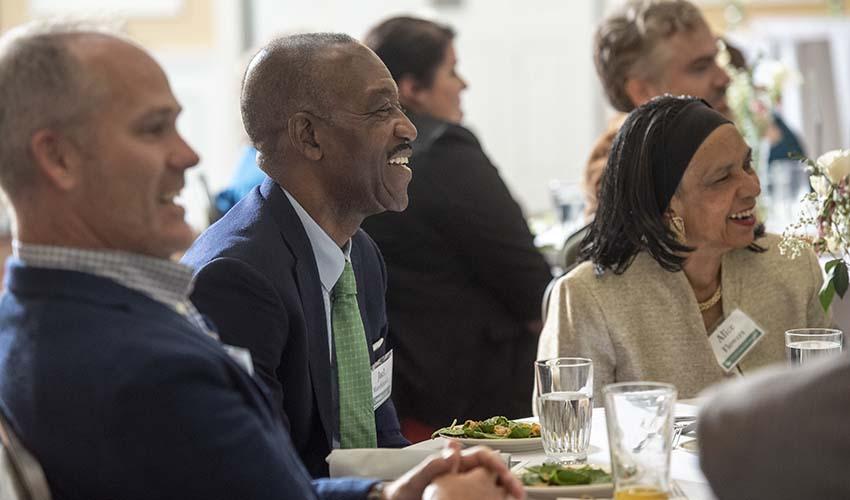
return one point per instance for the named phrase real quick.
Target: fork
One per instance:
(682, 428)
(676, 491)
(677, 433)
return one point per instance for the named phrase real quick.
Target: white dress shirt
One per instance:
(330, 259)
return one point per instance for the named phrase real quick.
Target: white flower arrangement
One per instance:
(824, 222)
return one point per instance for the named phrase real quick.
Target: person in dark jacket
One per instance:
(108, 374)
(464, 278)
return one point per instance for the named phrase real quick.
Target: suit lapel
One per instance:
(357, 264)
(312, 301)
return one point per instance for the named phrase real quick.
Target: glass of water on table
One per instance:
(639, 417)
(565, 406)
(804, 345)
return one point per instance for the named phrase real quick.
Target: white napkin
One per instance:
(386, 464)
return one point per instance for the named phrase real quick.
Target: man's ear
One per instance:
(303, 137)
(57, 158)
(640, 91)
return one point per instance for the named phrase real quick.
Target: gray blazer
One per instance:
(645, 323)
(780, 434)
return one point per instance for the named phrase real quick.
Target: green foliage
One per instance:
(492, 428)
(836, 282)
(564, 475)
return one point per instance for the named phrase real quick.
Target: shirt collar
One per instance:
(330, 259)
(161, 279)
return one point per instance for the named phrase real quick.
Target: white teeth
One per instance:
(742, 215)
(399, 160)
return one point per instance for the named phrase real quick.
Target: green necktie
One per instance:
(354, 374)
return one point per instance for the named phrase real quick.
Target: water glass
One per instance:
(565, 407)
(640, 426)
(804, 345)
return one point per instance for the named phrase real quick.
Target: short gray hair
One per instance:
(626, 40)
(42, 85)
(286, 76)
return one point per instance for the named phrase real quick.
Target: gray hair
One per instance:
(625, 43)
(286, 76)
(42, 85)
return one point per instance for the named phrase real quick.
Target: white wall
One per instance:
(533, 100)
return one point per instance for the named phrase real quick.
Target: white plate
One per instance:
(690, 446)
(604, 490)
(506, 445)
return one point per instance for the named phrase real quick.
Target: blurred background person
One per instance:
(464, 278)
(644, 49)
(786, 425)
(673, 251)
(246, 176)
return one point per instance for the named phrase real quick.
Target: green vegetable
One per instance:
(492, 428)
(561, 475)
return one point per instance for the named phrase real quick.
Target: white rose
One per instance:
(819, 184)
(832, 244)
(835, 165)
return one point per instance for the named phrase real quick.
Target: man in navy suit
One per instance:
(322, 111)
(107, 372)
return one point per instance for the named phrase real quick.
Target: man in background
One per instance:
(107, 372)
(287, 273)
(645, 49)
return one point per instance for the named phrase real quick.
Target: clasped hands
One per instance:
(476, 473)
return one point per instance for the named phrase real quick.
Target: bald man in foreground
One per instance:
(107, 372)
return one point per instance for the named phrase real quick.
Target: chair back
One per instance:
(21, 477)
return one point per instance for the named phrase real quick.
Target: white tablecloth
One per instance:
(684, 465)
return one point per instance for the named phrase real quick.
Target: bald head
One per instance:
(44, 83)
(292, 74)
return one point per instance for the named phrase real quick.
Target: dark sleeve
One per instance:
(191, 433)
(779, 434)
(247, 312)
(471, 205)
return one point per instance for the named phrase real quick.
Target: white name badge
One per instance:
(382, 379)
(242, 357)
(734, 339)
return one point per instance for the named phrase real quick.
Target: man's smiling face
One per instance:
(365, 140)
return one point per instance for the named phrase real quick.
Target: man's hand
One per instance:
(476, 484)
(455, 472)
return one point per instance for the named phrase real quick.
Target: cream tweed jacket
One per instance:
(645, 323)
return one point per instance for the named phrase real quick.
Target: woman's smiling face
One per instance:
(717, 195)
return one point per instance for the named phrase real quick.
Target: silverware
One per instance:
(683, 428)
(676, 492)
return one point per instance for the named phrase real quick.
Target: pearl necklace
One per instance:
(714, 299)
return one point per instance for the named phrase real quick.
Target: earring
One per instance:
(677, 226)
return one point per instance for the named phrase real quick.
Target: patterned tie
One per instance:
(354, 374)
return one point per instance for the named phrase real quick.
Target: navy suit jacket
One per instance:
(257, 279)
(118, 396)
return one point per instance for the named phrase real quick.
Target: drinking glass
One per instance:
(640, 425)
(565, 407)
(804, 345)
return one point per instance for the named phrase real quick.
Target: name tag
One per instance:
(242, 357)
(382, 379)
(734, 339)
